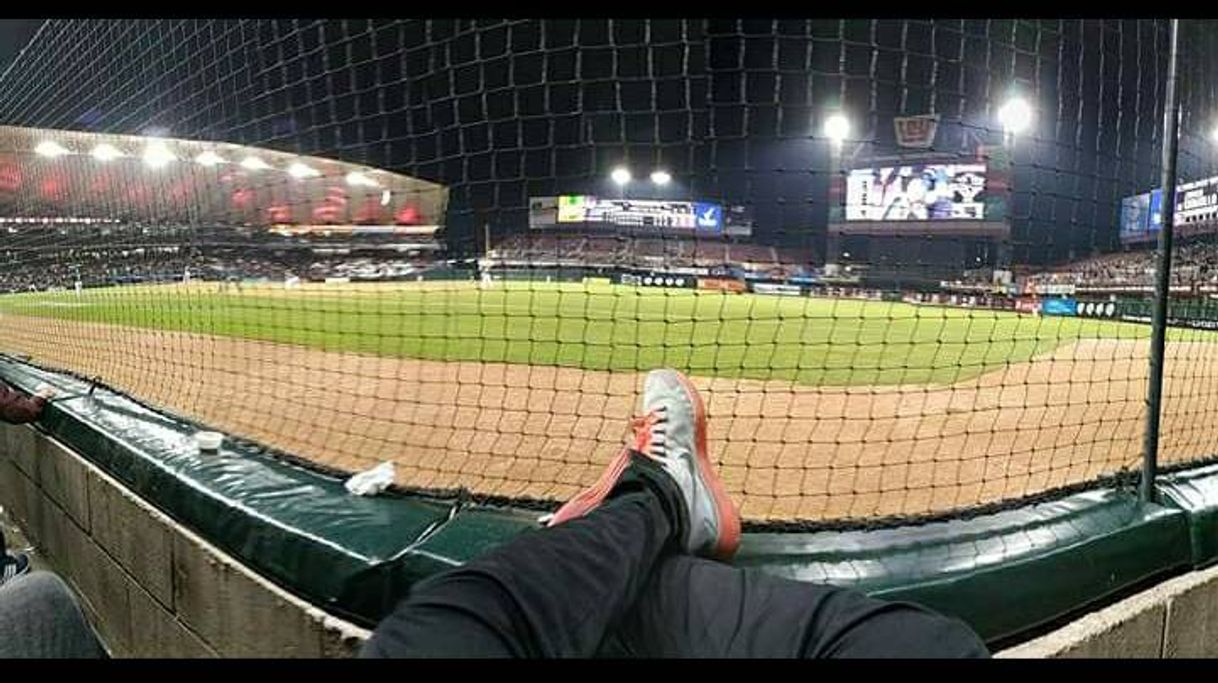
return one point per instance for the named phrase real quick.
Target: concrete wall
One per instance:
(151, 587)
(1177, 618)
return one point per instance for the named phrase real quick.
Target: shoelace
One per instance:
(650, 439)
(650, 435)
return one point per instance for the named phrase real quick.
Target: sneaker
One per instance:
(672, 434)
(12, 566)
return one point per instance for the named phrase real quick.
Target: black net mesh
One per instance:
(893, 253)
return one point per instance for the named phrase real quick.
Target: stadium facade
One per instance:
(93, 209)
(54, 176)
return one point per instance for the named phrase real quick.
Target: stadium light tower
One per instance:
(661, 178)
(1015, 115)
(620, 176)
(837, 128)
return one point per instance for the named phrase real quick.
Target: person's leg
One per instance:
(558, 592)
(39, 618)
(696, 608)
(551, 593)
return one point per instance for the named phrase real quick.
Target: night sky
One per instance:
(14, 34)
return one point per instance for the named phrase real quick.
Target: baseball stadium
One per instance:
(954, 347)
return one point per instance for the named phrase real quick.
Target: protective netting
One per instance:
(896, 255)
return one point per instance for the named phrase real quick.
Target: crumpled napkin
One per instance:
(371, 482)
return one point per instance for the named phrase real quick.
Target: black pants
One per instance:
(609, 584)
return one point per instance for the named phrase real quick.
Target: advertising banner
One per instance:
(1027, 305)
(657, 280)
(916, 131)
(1061, 306)
(781, 289)
(722, 285)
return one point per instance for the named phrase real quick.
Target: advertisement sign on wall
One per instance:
(1027, 305)
(656, 280)
(722, 285)
(1057, 306)
(781, 289)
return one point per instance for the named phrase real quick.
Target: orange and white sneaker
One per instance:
(671, 433)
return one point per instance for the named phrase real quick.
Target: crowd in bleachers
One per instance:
(1194, 264)
(627, 251)
(36, 257)
(24, 267)
(50, 270)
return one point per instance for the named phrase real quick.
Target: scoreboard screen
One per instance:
(927, 192)
(1197, 201)
(646, 214)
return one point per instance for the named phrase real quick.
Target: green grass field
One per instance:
(601, 327)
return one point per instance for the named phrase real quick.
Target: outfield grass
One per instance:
(601, 327)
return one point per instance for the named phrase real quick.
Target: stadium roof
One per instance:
(77, 175)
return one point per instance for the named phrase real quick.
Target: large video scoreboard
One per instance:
(1196, 211)
(923, 194)
(661, 215)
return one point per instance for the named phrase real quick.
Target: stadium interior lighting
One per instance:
(1015, 115)
(661, 177)
(209, 158)
(1214, 135)
(157, 155)
(357, 179)
(50, 149)
(620, 175)
(105, 152)
(837, 127)
(385, 197)
(299, 170)
(254, 163)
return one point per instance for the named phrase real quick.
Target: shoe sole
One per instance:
(589, 499)
(729, 520)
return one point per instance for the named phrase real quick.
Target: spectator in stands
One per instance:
(1193, 265)
(39, 616)
(15, 408)
(617, 575)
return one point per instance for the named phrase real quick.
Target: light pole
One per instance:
(1015, 116)
(836, 128)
